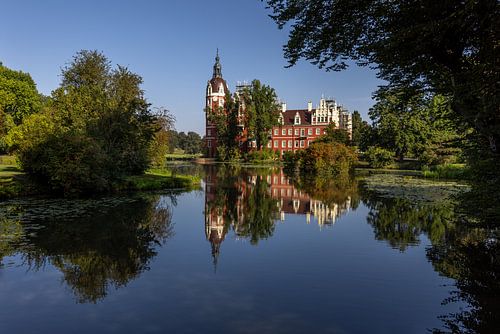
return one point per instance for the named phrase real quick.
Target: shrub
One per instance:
(68, 164)
(379, 157)
(326, 159)
(264, 155)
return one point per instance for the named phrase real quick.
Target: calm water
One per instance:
(248, 253)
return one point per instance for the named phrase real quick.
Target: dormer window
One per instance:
(297, 119)
(280, 119)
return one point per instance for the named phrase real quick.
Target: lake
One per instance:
(251, 251)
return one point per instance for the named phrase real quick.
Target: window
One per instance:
(283, 143)
(308, 143)
(301, 143)
(296, 132)
(275, 132)
(283, 132)
(275, 143)
(209, 143)
(289, 132)
(296, 143)
(289, 143)
(302, 132)
(209, 132)
(309, 132)
(317, 131)
(269, 144)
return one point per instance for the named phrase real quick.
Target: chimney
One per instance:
(309, 106)
(283, 107)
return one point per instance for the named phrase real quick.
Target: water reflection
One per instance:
(459, 249)
(250, 202)
(96, 245)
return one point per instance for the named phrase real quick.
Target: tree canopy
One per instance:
(96, 129)
(445, 47)
(18, 94)
(262, 111)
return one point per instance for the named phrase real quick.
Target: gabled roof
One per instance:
(289, 117)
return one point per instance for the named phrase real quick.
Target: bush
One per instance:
(379, 157)
(327, 159)
(264, 155)
(67, 164)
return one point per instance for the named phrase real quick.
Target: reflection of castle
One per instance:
(294, 201)
(230, 203)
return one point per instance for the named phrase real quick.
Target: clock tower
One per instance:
(215, 102)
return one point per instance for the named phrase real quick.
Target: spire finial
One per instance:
(217, 66)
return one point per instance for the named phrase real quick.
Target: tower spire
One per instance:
(217, 66)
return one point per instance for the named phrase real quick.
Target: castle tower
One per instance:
(215, 102)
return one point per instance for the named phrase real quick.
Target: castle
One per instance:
(297, 129)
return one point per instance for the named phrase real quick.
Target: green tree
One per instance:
(444, 47)
(419, 126)
(262, 112)
(103, 117)
(360, 129)
(226, 121)
(18, 94)
(160, 146)
(335, 135)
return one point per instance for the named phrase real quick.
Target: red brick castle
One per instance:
(297, 128)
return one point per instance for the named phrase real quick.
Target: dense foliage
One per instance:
(418, 126)
(379, 157)
(18, 99)
(324, 159)
(189, 143)
(262, 112)
(225, 120)
(97, 129)
(445, 47)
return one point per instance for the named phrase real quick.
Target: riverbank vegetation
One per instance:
(95, 133)
(439, 60)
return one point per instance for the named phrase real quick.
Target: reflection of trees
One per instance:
(400, 222)
(103, 249)
(260, 212)
(239, 198)
(471, 256)
(339, 190)
(467, 253)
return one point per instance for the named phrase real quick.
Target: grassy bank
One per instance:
(157, 179)
(182, 156)
(447, 171)
(11, 178)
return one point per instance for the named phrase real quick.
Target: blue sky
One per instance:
(172, 45)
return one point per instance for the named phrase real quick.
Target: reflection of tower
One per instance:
(214, 220)
(215, 102)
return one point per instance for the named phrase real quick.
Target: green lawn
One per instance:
(157, 179)
(10, 186)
